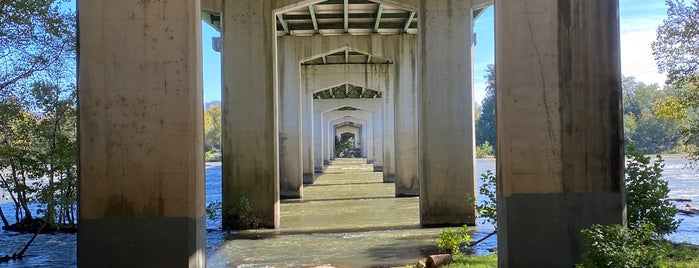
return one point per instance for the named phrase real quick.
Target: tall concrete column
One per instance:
(290, 157)
(250, 133)
(389, 141)
(560, 158)
(307, 133)
(446, 134)
(407, 182)
(140, 135)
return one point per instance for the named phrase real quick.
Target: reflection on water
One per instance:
(335, 224)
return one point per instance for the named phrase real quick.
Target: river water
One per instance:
(345, 220)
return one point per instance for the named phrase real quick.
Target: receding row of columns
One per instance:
(560, 160)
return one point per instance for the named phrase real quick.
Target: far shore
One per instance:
(211, 164)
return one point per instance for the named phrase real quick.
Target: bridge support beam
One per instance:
(560, 146)
(250, 133)
(140, 135)
(446, 134)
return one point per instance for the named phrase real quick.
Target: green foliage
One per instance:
(680, 255)
(485, 122)
(484, 150)
(487, 209)
(38, 140)
(212, 129)
(38, 43)
(642, 126)
(342, 147)
(676, 52)
(241, 217)
(450, 241)
(646, 194)
(617, 246)
(676, 49)
(213, 210)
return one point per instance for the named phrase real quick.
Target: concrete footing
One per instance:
(526, 220)
(142, 242)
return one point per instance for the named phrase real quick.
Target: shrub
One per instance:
(450, 241)
(484, 150)
(618, 246)
(488, 208)
(240, 216)
(647, 193)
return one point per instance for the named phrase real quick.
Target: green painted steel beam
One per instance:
(346, 55)
(368, 59)
(409, 21)
(312, 10)
(379, 12)
(285, 25)
(345, 7)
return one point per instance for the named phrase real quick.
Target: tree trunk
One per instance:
(5, 223)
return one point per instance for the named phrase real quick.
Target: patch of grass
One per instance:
(681, 255)
(474, 261)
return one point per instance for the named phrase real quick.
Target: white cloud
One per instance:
(638, 25)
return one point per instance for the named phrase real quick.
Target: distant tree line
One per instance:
(645, 122)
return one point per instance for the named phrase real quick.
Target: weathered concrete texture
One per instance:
(529, 223)
(140, 134)
(250, 133)
(290, 151)
(560, 146)
(142, 242)
(446, 132)
(406, 125)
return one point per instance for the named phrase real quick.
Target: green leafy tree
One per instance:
(676, 52)
(18, 152)
(57, 153)
(485, 123)
(37, 119)
(642, 126)
(212, 128)
(37, 42)
(647, 193)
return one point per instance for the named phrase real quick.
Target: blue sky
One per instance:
(639, 20)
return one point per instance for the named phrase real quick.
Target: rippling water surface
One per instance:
(334, 225)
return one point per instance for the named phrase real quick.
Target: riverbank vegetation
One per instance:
(38, 115)
(212, 133)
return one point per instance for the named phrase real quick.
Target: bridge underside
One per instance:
(294, 72)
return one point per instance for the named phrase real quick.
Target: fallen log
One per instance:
(434, 261)
(686, 212)
(678, 199)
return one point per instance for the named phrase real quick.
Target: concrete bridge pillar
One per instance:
(250, 133)
(407, 182)
(290, 132)
(560, 155)
(446, 133)
(308, 138)
(140, 135)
